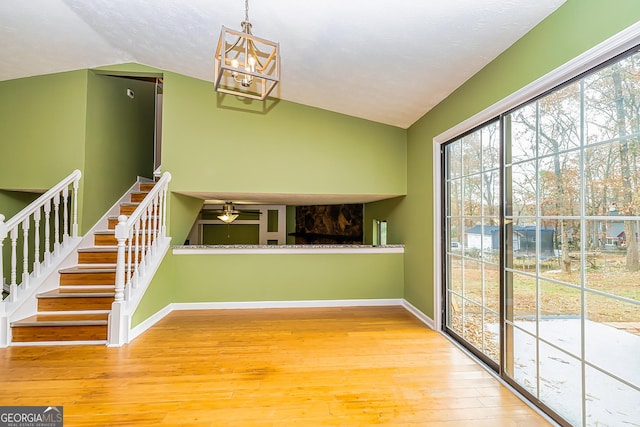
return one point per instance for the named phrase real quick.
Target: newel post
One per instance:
(121, 235)
(117, 334)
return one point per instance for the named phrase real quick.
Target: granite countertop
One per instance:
(284, 249)
(283, 246)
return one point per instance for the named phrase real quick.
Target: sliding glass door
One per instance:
(542, 259)
(472, 257)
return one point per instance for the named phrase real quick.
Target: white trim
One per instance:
(55, 343)
(286, 304)
(615, 45)
(147, 323)
(275, 250)
(418, 314)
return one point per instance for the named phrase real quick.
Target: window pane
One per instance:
(454, 160)
(492, 287)
(561, 383)
(454, 198)
(523, 133)
(610, 402)
(472, 195)
(454, 313)
(611, 100)
(491, 193)
(473, 281)
(560, 316)
(455, 234)
(454, 276)
(523, 194)
(559, 184)
(607, 268)
(491, 146)
(560, 251)
(491, 332)
(472, 324)
(471, 154)
(525, 306)
(559, 121)
(522, 359)
(612, 336)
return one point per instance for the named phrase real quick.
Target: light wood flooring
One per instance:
(294, 367)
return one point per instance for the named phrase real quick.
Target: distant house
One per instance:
(483, 236)
(487, 237)
(615, 234)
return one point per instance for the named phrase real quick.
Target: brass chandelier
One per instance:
(246, 65)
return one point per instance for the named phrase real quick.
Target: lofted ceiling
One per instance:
(386, 61)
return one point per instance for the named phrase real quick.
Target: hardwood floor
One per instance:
(303, 367)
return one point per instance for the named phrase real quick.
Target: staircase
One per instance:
(78, 310)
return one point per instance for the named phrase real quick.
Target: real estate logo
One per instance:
(31, 416)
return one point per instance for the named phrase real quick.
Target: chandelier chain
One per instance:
(246, 10)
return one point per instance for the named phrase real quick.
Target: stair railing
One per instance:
(52, 209)
(139, 238)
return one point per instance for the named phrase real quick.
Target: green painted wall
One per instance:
(183, 211)
(53, 124)
(574, 28)
(384, 210)
(42, 129)
(119, 140)
(234, 278)
(227, 234)
(209, 145)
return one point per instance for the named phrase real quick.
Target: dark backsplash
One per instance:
(329, 224)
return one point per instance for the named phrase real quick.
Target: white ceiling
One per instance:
(386, 61)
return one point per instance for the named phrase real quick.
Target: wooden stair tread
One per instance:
(77, 293)
(78, 310)
(92, 268)
(146, 186)
(112, 232)
(63, 319)
(99, 249)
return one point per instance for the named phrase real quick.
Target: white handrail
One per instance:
(142, 237)
(138, 237)
(32, 215)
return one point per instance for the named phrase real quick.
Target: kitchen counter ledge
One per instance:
(285, 249)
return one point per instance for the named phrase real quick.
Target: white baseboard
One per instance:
(286, 304)
(418, 314)
(149, 322)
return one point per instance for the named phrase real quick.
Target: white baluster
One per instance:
(13, 290)
(127, 282)
(121, 236)
(65, 204)
(25, 253)
(47, 233)
(143, 240)
(75, 207)
(137, 252)
(56, 224)
(154, 226)
(164, 212)
(150, 229)
(3, 235)
(36, 238)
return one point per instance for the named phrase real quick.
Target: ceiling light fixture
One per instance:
(228, 214)
(246, 65)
